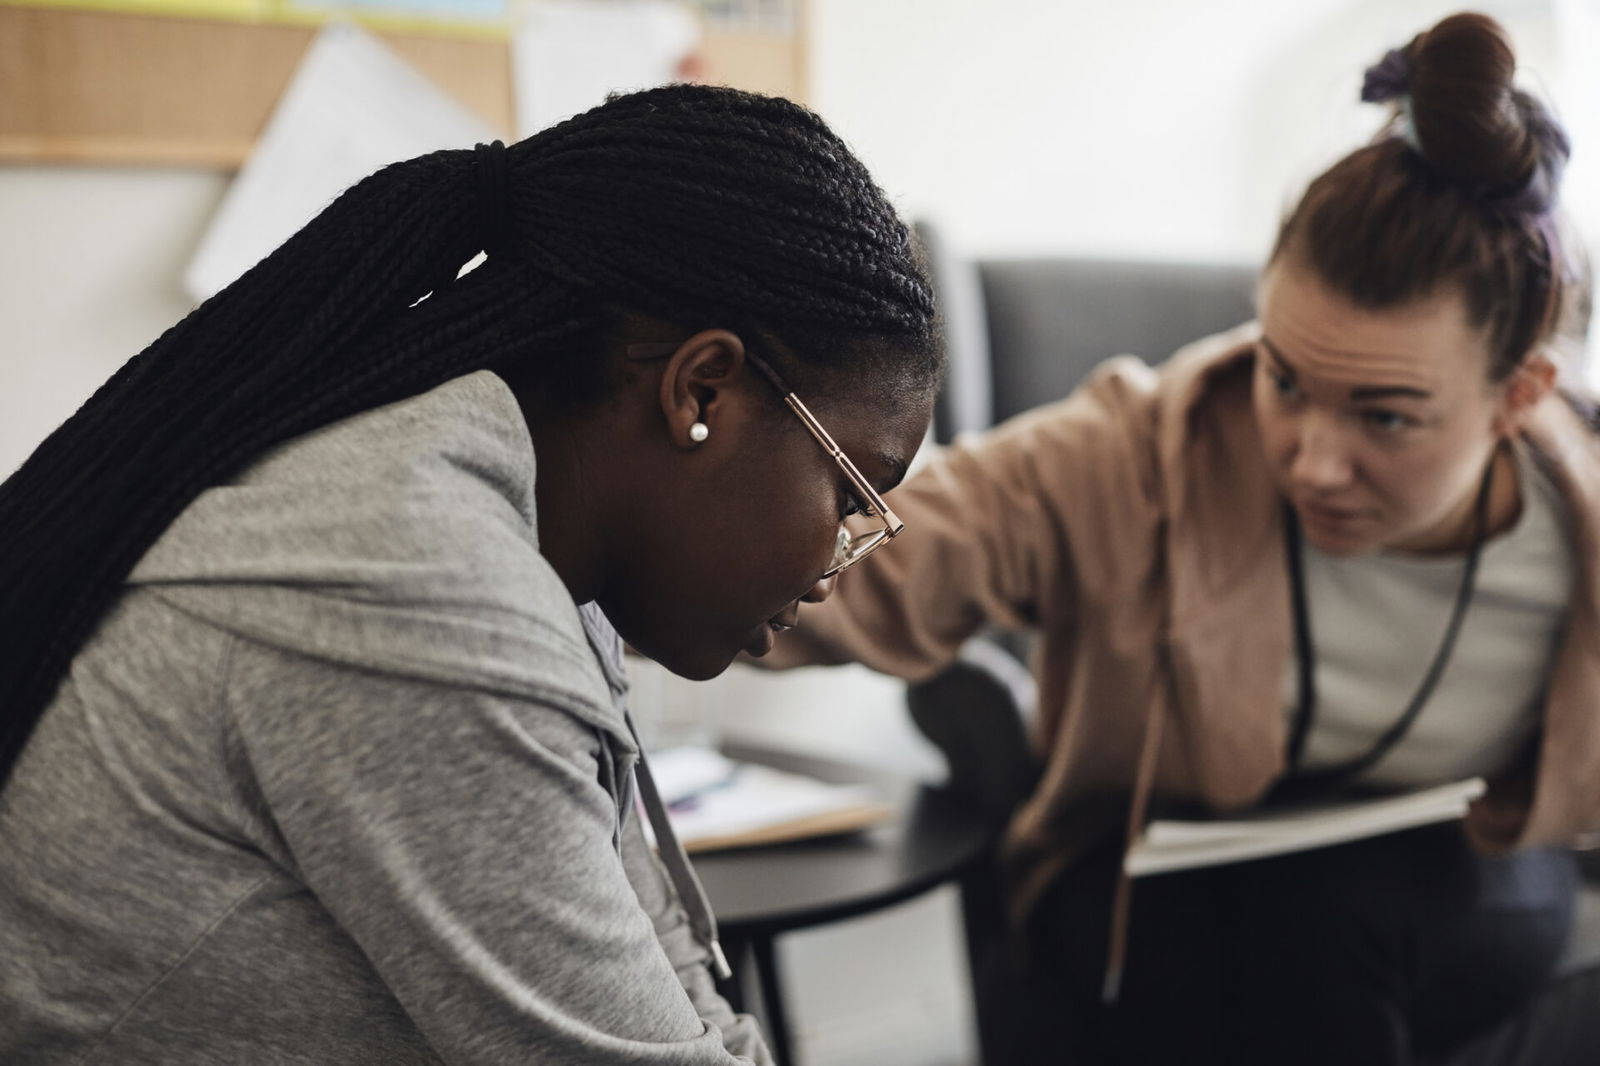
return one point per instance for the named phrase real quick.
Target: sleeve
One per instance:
(465, 841)
(1000, 530)
(740, 1033)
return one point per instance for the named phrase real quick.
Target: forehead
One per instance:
(1427, 344)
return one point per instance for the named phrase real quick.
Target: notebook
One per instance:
(1171, 844)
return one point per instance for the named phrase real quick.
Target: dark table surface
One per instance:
(932, 838)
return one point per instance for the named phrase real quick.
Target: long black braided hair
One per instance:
(693, 204)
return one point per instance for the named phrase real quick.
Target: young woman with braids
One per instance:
(1353, 545)
(312, 709)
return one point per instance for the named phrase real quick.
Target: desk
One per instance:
(760, 893)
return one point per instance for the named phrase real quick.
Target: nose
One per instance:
(820, 591)
(1321, 459)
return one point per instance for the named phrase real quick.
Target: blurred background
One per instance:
(152, 149)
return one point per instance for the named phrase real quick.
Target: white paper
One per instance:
(760, 797)
(681, 772)
(1168, 845)
(567, 55)
(709, 795)
(352, 107)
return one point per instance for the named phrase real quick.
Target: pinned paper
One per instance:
(567, 55)
(353, 107)
(465, 14)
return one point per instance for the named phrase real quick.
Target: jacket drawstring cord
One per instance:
(1122, 902)
(679, 870)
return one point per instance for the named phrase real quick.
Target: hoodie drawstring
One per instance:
(676, 860)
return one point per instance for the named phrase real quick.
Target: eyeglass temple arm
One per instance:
(657, 350)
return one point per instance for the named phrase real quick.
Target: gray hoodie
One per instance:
(345, 777)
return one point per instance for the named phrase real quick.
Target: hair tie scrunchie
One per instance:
(1542, 192)
(1390, 79)
(1387, 79)
(494, 197)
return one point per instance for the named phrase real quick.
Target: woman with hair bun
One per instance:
(1352, 546)
(313, 730)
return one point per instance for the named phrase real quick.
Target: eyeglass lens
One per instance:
(852, 547)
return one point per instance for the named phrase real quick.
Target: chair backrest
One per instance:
(1050, 321)
(1024, 332)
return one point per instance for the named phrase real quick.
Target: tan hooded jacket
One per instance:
(1135, 525)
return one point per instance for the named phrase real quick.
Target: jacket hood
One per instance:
(402, 540)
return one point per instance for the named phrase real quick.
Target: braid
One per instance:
(690, 203)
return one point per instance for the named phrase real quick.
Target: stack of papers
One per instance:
(714, 802)
(1185, 845)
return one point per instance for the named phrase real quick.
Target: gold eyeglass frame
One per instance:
(850, 548)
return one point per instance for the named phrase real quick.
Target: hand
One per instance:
(1496, 819)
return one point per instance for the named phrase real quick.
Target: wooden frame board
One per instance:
(84, 86)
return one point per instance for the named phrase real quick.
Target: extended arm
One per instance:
(997, 532)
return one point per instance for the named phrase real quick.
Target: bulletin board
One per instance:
(79, 84)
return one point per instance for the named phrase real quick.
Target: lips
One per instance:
(1322, 514)
(761, 641)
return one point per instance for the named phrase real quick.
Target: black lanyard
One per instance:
(1299, 784)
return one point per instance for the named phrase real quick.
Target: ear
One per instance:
(1520, 393)
(695, 384)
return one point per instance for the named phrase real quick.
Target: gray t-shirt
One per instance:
(340, 779)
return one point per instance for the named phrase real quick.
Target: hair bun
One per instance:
(1470, 121)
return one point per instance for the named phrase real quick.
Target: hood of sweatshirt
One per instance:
(402, 540)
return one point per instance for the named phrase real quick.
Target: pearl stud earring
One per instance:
(699, 432)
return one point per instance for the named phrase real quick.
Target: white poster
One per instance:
(353, 107)
(567, 55)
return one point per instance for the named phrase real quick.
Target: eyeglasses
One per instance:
(878, 525)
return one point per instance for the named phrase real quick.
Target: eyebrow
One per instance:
(1367, 392)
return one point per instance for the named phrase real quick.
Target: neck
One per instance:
(567, 523)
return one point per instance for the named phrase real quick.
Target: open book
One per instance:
(1168, 845)
(714, 802)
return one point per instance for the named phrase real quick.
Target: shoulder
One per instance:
(1564, 437)
(1213, 373)
(1138, 417)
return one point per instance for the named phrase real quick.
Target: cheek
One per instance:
(1272, 426)
(798, 544)
(1420, 481)
(781, 531)
(1402, 475)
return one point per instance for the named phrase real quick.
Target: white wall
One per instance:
(1164, 128)
(90, 260)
